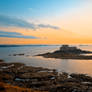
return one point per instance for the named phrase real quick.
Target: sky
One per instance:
(45, 21)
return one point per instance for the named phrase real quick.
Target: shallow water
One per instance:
(65, 65)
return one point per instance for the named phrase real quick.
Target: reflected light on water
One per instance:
(65, 65)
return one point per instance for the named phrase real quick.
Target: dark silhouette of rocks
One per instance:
(70, 49)
(4, 87)
(29, 79)
(21, 54)
(1, 61)
(67, 52)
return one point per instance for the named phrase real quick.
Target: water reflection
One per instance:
(66, 65)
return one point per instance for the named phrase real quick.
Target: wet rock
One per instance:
(6, 77)
(26, 69)
(69, 87)
(2, 87)
(21, 54)
(1, 61)
(39, 75)
(43, 79)
(82, 77)
(9, 88)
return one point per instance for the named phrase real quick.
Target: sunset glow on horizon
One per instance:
(45, 22)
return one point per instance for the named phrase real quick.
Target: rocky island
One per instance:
(68, 52)
(17, 77)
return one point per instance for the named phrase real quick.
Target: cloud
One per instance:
(16, 35)
(6, 21)
(9, 33)
(48, 26)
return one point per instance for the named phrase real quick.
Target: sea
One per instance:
(30, 59)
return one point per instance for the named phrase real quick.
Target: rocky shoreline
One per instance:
(40, 79)
(67, 52)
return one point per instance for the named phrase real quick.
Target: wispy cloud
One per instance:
(7, 21)
(9, 33)
(48, 26)
(16, 35)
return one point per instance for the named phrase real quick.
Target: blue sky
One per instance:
(36, 8)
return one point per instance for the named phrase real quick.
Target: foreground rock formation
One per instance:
(67, 52)
(16, 77)
(9, 88)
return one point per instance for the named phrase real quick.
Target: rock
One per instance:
(26, 69)
(21, 54)
(6, 77)
(9, 88)
(41, 79)
(72, 49)
(1, 61)
(39, 75)
(68, 87)
(2, 88)
(67, 52)
(82, 77)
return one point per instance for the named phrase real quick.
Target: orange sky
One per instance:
(47, 36)
(75, 28)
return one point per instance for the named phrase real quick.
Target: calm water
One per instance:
(65, 65)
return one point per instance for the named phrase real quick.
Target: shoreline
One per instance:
(42, 79)
(51, 55)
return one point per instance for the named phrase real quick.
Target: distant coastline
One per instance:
(22, 45)
(25, 45)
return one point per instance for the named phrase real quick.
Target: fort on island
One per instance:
(68, 52)
(68, 48)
